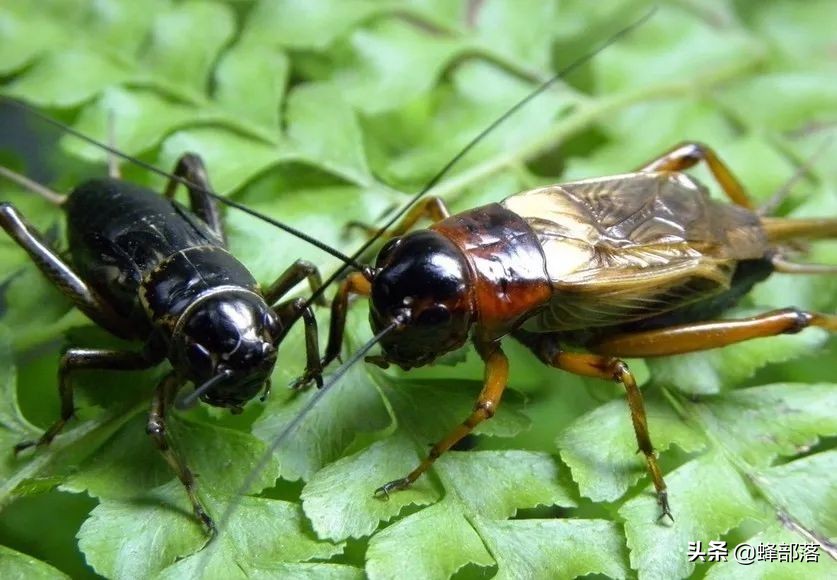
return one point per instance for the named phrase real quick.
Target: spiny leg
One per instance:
(156, 428)
(546, 348)
(496, 376)
(290, 311)
(77, 359)
(59, 273)
(191, 168)
(690, 153)
(296, 273)
(354, 283)
(433, 208)
(712, 334)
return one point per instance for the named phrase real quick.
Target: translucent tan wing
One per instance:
(628, 247)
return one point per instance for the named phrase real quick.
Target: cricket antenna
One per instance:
(431, 183)
(149, 167)
(188, 401)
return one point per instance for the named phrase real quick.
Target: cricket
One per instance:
(561, 279)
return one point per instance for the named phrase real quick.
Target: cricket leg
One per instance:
(790, 230)
(787, 267)
(496, 376)
(713, 334)
(86, 359)
(60, 273)
(354, 284)
(546, 347)
(433, 208)
(289, 312)
(296, 273)
(191, 168)
(156, 428)
(690, 153)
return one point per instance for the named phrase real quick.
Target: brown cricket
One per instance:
(641, 264)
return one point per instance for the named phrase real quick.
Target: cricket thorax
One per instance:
(510, 279)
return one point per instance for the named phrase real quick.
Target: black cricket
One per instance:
(146, 268)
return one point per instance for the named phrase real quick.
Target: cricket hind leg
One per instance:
(690, 153)
(548, 350)
(496, 376)
(156, 428)
(191, 168)
(60, 273)
(76, 359)
(685, 338)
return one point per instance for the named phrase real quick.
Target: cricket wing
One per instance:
(628, 247)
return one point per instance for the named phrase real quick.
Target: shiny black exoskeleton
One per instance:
(146, 268)
(421, 278)
(169, 280)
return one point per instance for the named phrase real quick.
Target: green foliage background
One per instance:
(322, 111)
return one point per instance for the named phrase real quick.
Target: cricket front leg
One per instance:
(292, 310)
(496, 377)
(288, 312)
(354, 284)
(156, 429)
